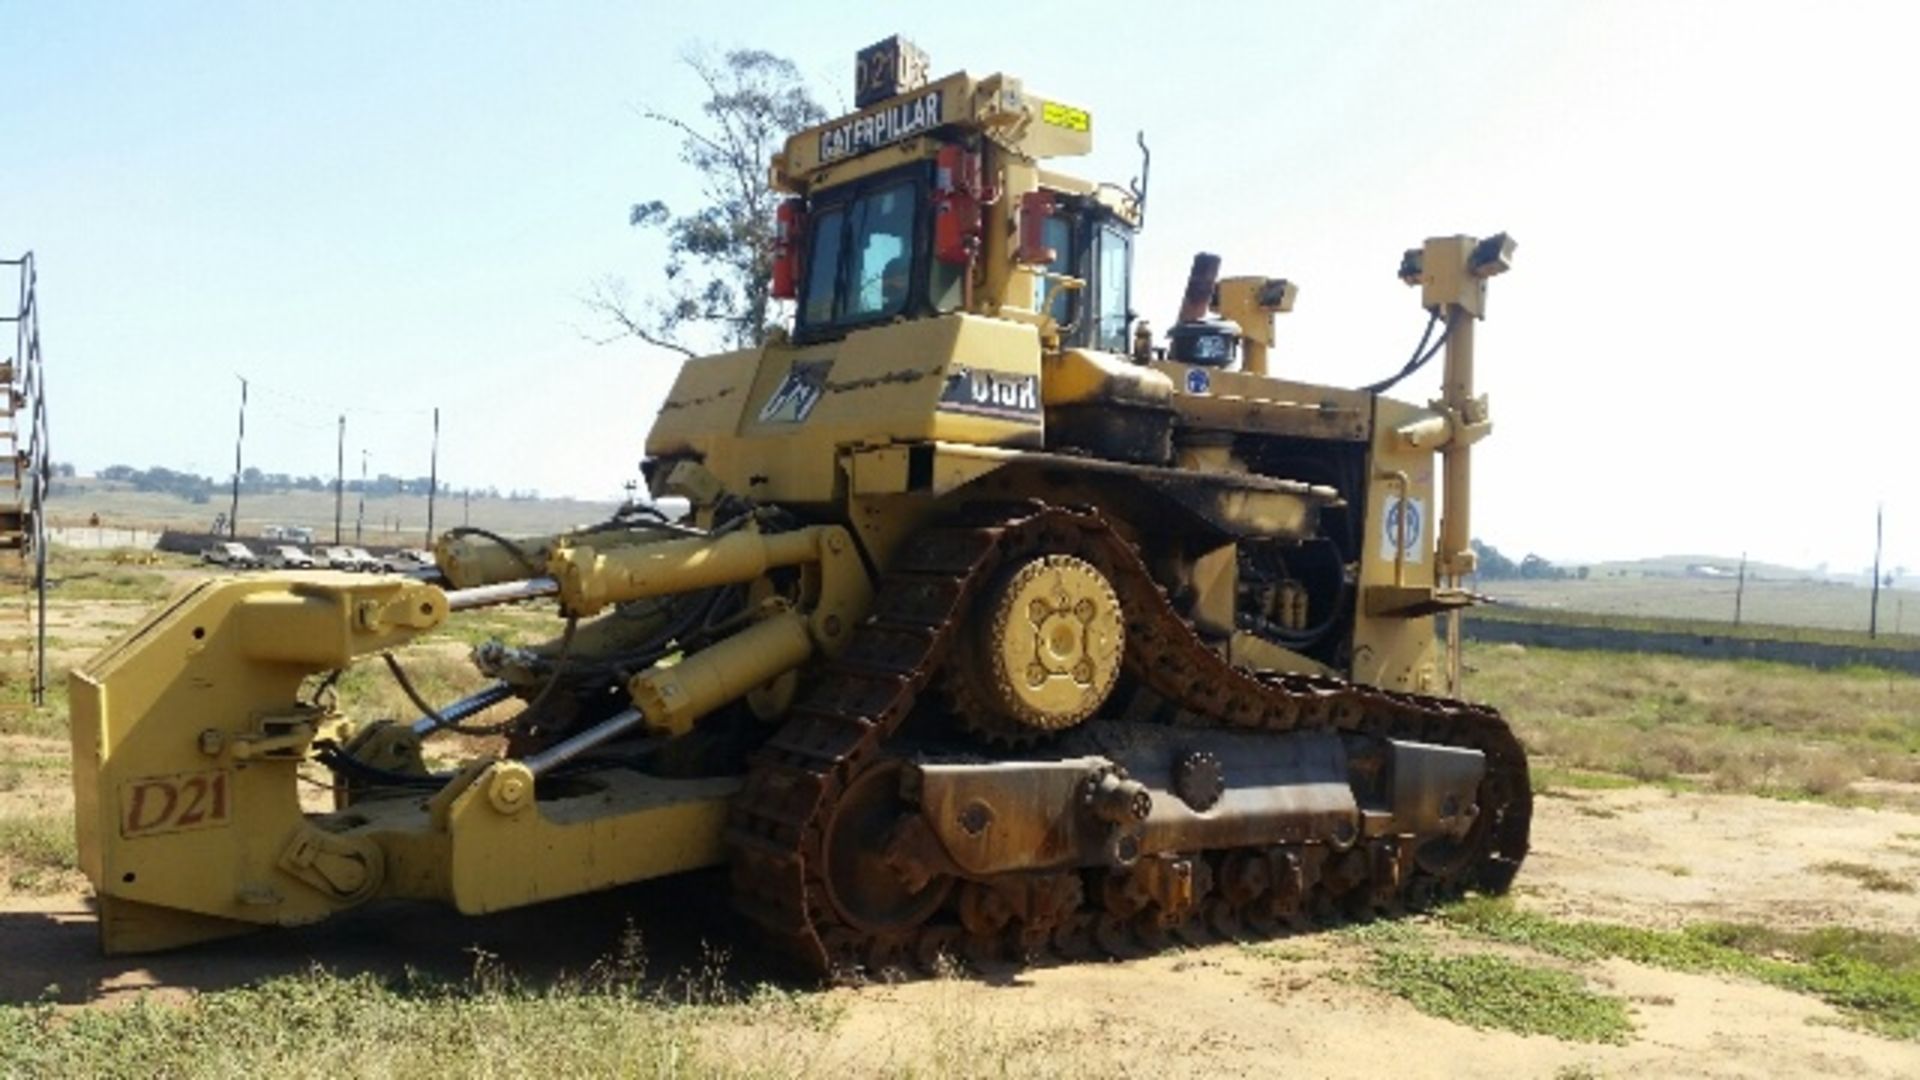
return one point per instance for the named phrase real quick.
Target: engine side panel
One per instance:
(768, 423)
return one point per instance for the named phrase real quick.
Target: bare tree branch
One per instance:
(609, 302)
(720, 255)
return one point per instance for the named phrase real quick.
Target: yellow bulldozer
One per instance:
(996, 626)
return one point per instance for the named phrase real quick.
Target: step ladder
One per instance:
(25, 469)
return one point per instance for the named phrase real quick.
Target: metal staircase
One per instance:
(23, 481)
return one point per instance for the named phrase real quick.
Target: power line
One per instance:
(233, 517)
(334, 407)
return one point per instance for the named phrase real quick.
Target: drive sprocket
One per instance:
(1044, 653)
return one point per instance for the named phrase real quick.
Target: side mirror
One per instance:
(789, 221)
(1035, 208)
(956, 206)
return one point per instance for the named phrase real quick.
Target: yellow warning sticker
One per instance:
(1066, 116)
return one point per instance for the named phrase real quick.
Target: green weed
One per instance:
(1487, 991)
(36, 850)
(1873, 979)
(607, 1023)
(1275, 951)
(1553, 780)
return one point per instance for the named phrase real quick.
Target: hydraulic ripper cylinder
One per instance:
(590, 579)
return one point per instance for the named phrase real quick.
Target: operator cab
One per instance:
(868, 255)
(932, 200)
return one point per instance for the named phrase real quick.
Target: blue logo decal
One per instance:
(1198, 381)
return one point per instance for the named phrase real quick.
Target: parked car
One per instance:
(369, 562)
(231, 554)
(344, 558)
(409, 561)
(287, 557)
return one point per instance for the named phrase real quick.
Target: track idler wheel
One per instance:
(863, 886)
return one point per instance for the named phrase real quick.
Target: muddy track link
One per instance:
(839, 732)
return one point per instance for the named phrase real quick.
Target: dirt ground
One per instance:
(1641, 856)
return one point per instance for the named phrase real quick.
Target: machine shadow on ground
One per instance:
(685, 932)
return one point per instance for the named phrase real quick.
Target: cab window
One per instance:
(1110, 317)
(881, 231)
(823, 266)
(861, 258)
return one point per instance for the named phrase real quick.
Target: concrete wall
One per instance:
(1710, 647)
(94, 537)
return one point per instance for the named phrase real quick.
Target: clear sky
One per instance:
(1707, 343)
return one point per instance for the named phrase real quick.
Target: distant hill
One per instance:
(1693, 565)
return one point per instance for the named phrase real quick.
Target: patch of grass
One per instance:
(1734, 726)
(1674, 869)
(108, 583)
(1275, 951)
(1384, 933)
(1873, 979)
(1487, 991)
(514, 623)
(46, 722)
(368, 690)
(605, 1024)
(36, 851)
(1553, 779)
(18, 714)
(1870, 877)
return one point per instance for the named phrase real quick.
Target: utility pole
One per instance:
(466, 507)
(1740, 590)
(233, 516)
(433, 475)
(1873, 612)
(339, 476)
(360, 515)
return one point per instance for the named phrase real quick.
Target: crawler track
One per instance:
(840, 732)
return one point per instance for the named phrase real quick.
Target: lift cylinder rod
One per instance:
(504, 593)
